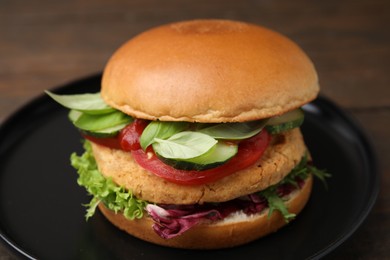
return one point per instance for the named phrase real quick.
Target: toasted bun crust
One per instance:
(208, 71)
(285, 151)
(231, 232)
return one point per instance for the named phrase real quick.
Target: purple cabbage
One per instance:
(173, 220)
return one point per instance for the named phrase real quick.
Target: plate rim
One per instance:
(366, 142)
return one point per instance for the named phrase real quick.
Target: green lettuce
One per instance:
(104, 189)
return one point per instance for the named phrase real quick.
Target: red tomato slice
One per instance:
(249, 151)
(130, 135)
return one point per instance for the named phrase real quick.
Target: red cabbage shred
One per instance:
(173, 220)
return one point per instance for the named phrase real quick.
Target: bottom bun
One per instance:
(232, 231)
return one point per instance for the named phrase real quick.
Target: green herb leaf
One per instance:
(104, 190)
(320, 174)
(160, 129)
(89, 122)
(184, 145)
(87, 103)
(73, 115)
(304, 168)
(234, 131)
(276, 203)
(301, 171)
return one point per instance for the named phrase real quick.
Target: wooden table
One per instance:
(46, 43)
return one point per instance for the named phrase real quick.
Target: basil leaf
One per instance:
(184, 145)
(88, 103)
(74, 115)
(160, 129)
(89, 122)
(234, 131)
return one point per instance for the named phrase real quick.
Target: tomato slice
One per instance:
(249, 151)
(130, 135)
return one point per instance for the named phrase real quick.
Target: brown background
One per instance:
(47, 43)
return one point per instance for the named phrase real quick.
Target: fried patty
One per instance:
(281, 156)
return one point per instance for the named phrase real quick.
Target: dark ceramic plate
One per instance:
(41, 212)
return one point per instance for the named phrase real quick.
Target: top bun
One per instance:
(208, 71)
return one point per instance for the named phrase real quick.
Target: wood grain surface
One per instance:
(45, 43)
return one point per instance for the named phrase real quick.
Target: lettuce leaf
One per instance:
(104, 189)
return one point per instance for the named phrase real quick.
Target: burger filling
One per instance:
(180, 152)
(172, 220)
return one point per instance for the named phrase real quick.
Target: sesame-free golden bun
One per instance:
(208, 71)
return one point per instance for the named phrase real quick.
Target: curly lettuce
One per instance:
(104, 189)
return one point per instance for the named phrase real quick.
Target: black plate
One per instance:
(40, 203)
